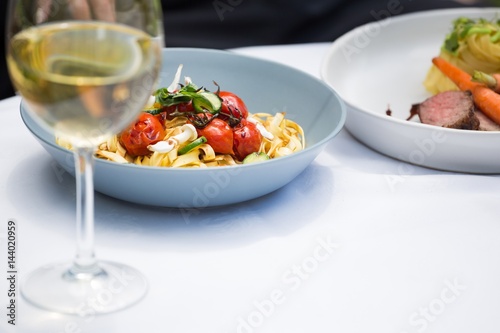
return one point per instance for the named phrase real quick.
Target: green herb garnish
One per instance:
(464, 27)
(202, 99)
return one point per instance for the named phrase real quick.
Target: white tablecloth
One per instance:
(352, 245)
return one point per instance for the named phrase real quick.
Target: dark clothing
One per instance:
(235, 23)
(225, 24)
(6, 89)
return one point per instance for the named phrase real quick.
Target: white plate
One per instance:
(265, 86)
(383, 64)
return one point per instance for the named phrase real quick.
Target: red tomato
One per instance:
(233, 105)
(145, 131)
(247, 139)
(219, 135)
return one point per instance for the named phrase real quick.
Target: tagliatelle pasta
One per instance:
(286, 138)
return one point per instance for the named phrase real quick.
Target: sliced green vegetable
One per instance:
(190, 146)
(479, 31)
(496, 37)
(464, 27)
(204, 101)
(256, 157)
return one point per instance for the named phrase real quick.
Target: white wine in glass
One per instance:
(85, 69)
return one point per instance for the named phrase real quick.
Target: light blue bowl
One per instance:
(265, 86)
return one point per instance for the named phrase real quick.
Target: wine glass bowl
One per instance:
(82, 79)
(85, 69)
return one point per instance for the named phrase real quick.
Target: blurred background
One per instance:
(224, 24)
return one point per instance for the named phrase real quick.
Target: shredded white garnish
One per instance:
(163, 146)
(188, 133)
(177, 78)
(265, 133)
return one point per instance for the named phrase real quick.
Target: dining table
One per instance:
(358, 242)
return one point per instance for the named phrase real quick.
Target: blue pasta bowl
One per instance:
(265, 86)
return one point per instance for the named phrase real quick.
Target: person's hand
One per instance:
(79, 9)
(102, 9)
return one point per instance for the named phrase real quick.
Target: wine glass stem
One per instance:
(85, 261)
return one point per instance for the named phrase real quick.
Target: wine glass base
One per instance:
(56, 288)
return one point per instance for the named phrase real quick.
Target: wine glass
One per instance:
(85, 69)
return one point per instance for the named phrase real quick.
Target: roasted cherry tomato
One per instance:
(145, 131)
(246, 138)
(219, 135)
(232, 105)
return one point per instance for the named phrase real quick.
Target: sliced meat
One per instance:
(451, 109)
(485, 123)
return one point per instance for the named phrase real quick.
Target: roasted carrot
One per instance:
(485, 99)
(462, 79)
(492, 81)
